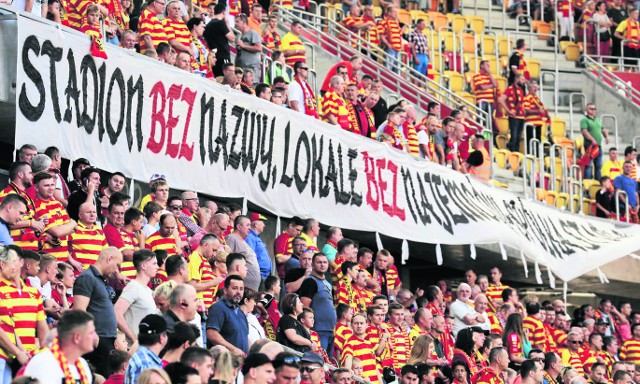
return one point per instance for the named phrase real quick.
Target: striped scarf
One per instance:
(64, 365)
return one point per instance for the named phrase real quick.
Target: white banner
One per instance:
(140, 117)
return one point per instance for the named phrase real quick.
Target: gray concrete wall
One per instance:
(609, 101)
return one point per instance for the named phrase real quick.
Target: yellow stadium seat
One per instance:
(558, 127)
(448, 39)
(501, 157)
(488, 45)
(503, 125)
(562, 200)
(477, 24)
(579, 143)
(593, 189)
(502, 83)
(458, 23)
(572, 52)
(543, 30)
(576, 203)
(466, 96)
(404, 16)
(492, 63)
(469, 43)
(564, 44)
(504, 46)
(456, 80)
(436, 77)
(499, 184)
(438, 21)
(534, 68)
(436, 42)
(437, 64)
(515, 159)
(417, 15)
(551, 197)
(541, 194)
(588, 206)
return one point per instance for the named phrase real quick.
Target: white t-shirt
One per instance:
(459, 310)
(149, 230)
(256, 332)
(141, 304)
(45, 290)
(423, 138)
(45, 368)
(295, 93)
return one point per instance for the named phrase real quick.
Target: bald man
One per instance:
(90, 294)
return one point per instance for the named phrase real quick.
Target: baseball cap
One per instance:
(312, 357)
(255, 360)
(477, 329)
(601, 321)
(152, 325)
(80, 161)
(256, 216)
(157, 176)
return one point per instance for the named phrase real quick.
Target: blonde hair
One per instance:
(145, 376)
(421, 350)
(226, 366)
(164, 289)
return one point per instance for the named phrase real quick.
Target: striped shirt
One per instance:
(200, 271)
(91, 31)
(573, 359)
(552, 338)
(374, 334)
(282, 246)
(415, 333)
(86, 243)
(345, 294)
(21, 310)
(494, 293)
(151, 26)
(372, 34)
(515, 100)
(496, 327)
(25, 238)
(630, 351)
(536, 333)
(271, 40)
(487, 376)
(364, 298)
(412, 139)
(177, 29)
(293, 42)
(336, 270)
(340, 335)
(334, 104)
(362, 349)
(400, 347)
(76, 11)
(532, 102)
(157, 241)
(480, 79)
(391, 30)
(57, 216)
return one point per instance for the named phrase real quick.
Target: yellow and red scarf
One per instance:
(64, 365)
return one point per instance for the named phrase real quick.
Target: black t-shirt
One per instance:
(380, 112)
(308, 288)
(294, 274)
(514, 61)
(215, 34)
(288, 322)
(605, 200)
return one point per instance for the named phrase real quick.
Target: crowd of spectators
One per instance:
(185, 290)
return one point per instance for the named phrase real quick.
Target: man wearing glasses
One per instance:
(287, 368)
(311, 368)
(593, 133)
(571, 356)
(301, 96)
(150, 28)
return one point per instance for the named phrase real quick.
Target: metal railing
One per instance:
(583, 97)
(400, 74)
(611, 79)
(543, 75)
(616, 196)
(607, 116)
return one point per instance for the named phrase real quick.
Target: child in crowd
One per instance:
(356, 367)
(605, 206)
(92, 25)
(120, 343)
(307, 319)
(118, 361)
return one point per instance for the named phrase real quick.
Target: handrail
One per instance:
(612, 80)
(443, 46)
(634, 141)
(488, 134)
(475, 45)
(584, 105)
(572, 186)
(541, 147)
(575, 173)
(616, 196)
(555, 102)
(555, 149)
(529, 178)
(310, 21)
(615, 125)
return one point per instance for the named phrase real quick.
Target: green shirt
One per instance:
(594, 127)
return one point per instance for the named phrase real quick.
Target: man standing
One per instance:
(218, 36)
(63, 362)
(517, 64)
(625, 183)
(283, 247)
(334, 107)
(292, 47)
(512, 100)
(531, 372)
(399, 342)
(24, 231)
(150, 29)
(485, 87)
(183, 303)
(238, 244)
(298, 272)
(535, 115)
(316, 293)
(187, 217)
(88, 240)
(498, 365)
(257, 244)
(227, 325)
(201, 360)
(92, 294)
(534, 327)
(152, 338)
(464, 313)
(552, 368)
(572, 355)
(435, 300)
(423, 320)
(479, 161)
(628, 31)
(88, 193)
(330, 248)
(419, 47)
(248, 45)
(301, 96)
(164, 239)
(612, 168)
(592, 131)
(630, 350)
(494, 290)
(390, 34)
(59, 225)
(361, 117)
(386, 277)
(201, 274)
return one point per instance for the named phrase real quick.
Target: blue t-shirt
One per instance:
(260, 248)
(5, 237)
(231, 322)
(628, 185)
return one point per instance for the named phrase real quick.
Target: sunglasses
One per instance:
(308, 369)
(175, 207)
(292, 361)
(575, 341)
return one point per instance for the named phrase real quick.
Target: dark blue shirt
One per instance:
(93, 285)
(5, 237)
(628, 185)
(230, 321)
(260, 248)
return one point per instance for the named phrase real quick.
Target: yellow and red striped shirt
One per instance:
(372, 34)
(364, 298)
(150, 25)
(391, 30)
(340, 335)
(271, 40)
(536, 333)
(630, 351)
(362, 349)
(21, 309)
(345, 294)
(496, 327)
(157, 241)
(25, 238)
(374, 334)
(177, 29)
(291, 41)
(552, 337)
(76, 11)
(494, 293)
(334, 104)
(400, 347)
(573, 359)
(200, 271)
(532, 102)
(57, 216)
(91, 31)
(487, 376)
(412, 142)
(87, 243)
(480, 79)
(415, 333)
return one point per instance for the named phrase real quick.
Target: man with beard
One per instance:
(227, 324)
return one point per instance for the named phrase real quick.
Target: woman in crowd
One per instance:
(603, 37)
(465, 351)
(291, 332)
(515, 340)
(153, 376)
(226, 366)
(184, 335)
(421, 350)
(161, 296)
(201, 62)
(247, 305)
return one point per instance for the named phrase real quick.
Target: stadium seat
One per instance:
(577, 203)
(534, 68)
(448, 38)
(417, 15)
(572, 52)
(492, 64)
(456, 80)
(476, 23)
(544, 29)
(488, 45)
(458, 23)
(501, 157)
(504, 46)
(579, 143)
(377, 11)
(541, 194)
(592, 190)
(499, 184)
(558, 127)
(551, 197)
(473, 63)
(437, 62)
(403, 16)
(515, 159)
(503, 132)
(469, 43)
(589, 207)
(466, 96)
(562, 200)
(438, 20)
(502, 83)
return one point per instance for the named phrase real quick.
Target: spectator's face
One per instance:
(365, 260)
(93, 18)
(266, 94)
(352, 93)
(273, 23)
(320, 264)
(87, 213)
(495, 275)
(377, 317)
(88, 337)
(471, 277)
(116, 183)
(10, 269)
(116, 215)
(606, 307)
(382, 262)
(235, 291)
(174, 12)
(574, 342)
(409, 378)
(460, 373)
(298, 246)
(550, 317)
(297, 29)
(159, 5)
(538, 357)
(625, 309)
(287, 375)
(464, 293)
(343, 378)
(162, 193)
(338, 86)
(311, 373)
(128, 41)
(28, 154)
(481, 304)
(276, 98)
(384, 304)
(243, 227)
(191, 202)
(613, 155)
(359, 325)
(478, 339)
(598, 375)
(256, 12)
(265, 374)
(183, 61)
(46, 188)
(168, 226)
(396, 317)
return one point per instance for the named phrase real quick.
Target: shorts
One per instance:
(424, 63)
